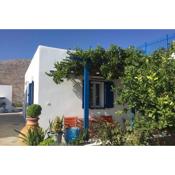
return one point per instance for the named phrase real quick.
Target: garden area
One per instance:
(146, 88)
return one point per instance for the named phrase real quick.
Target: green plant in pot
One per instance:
(33, 137)
(33, 112)
(56, 128)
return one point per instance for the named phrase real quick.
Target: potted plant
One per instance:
(33, 136)
(56, 128)
(33, 112)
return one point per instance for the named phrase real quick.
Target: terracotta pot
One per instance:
(32, 122)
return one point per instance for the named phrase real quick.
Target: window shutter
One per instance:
(31, 93)
(109, 95)
(28, 94)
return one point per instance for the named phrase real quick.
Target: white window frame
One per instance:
(101, 90)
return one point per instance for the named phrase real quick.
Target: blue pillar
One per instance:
(86, 97)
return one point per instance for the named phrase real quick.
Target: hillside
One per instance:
(12, 73)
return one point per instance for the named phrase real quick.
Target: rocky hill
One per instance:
(12, 73)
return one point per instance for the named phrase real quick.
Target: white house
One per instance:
(5, 98)
(65, 98)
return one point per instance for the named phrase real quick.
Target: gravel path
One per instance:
(9, 122)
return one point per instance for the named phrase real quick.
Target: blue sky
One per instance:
(23, 43)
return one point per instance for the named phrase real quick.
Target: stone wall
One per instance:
(12, 72)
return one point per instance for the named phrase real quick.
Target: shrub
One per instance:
(33, 137)
(34, 110)
(114, 134)
(81, 139)
(109, 133)
(139, 134)
(56, 125)
(47, 142)
(148, 87)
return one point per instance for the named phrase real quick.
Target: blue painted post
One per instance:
(86, 97)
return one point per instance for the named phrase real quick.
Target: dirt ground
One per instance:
(9, 122)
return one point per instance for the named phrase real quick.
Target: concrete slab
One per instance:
(9, 122)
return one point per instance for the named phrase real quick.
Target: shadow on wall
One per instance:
(77, 88)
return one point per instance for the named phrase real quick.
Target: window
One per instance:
(96, 94)
(101, 94)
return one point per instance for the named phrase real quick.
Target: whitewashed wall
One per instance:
(6, 91)
(32, 74)
(56, 100)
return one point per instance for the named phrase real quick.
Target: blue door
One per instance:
(30, 93)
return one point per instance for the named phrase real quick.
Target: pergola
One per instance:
(86, 93)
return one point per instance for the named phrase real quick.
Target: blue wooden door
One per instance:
(31, 93)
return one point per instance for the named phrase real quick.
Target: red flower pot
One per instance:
(32, 122)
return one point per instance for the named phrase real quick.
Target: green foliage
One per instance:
(148, 86)
(56, 125)
(17, 104)
(140, 134)
(33, 137)
(114, 134)
(47, 142)
(34, 110)
(109, 63)
(108, 133)
(81, 139)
